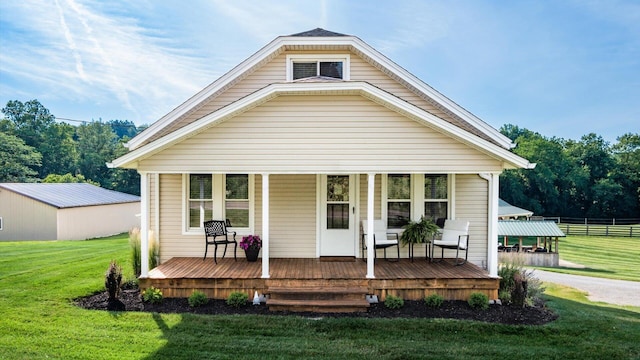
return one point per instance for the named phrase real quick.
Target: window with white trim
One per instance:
(216, 196)
(398, 200)
(410, 196)
(436, 197)
(236, 206)
(200, 199)
(306, 66)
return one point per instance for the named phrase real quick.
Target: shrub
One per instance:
(197, 299)
(393, 302)
(434, 300)
(519, 286)
(237, 299)
(113, 280)
(479, 300)
(152, 295)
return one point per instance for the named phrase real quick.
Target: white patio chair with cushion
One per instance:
(382, 238)
(455, 235)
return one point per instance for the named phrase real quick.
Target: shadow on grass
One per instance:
(584, 330)
(574, 270)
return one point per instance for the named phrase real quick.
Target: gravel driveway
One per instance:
(619, 292)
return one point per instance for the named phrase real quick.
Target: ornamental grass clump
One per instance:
(518, 286)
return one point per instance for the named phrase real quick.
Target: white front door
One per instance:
(337, 215)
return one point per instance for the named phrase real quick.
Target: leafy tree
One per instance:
(123, 128)
(28, 121)
(17, 160)
(125, 180)
(96, 146)
(33, 123)
(627, 173)
(67, 178)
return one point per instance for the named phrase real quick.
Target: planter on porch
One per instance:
(252, 254)
(251, 245)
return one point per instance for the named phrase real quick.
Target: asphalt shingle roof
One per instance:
(70, 195)
(318, 32)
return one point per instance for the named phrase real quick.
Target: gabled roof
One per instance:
(318, 32)
(69, 195)
(321, 39)
(528, 228)
(505, 209)
(509, 159)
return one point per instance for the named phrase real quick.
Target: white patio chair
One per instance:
(382, 238)
(455, 235)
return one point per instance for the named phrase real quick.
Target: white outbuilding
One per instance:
(69, 211)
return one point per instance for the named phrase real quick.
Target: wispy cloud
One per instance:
(112, 57)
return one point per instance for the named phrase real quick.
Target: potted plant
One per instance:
(251, 245)
(418, 232)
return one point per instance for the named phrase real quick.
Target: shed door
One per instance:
(338, 235)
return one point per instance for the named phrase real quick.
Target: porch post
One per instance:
(492, 231)
(265, 226)
(144, 224)
(371, 179)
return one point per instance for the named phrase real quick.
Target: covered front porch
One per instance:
(411, 280)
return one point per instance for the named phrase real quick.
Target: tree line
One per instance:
(586, 178)
(36, 148)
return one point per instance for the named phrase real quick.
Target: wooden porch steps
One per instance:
(318, 299)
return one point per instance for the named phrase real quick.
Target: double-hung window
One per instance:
(398, 200)
(216, 196)
(410, 196)
(306, 66)
(435, 196)
(236, 205)
(200, 199)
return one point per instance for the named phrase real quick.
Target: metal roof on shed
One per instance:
(68, 195)
(528, 228)
(506, 209)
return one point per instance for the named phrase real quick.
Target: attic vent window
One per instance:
(332, 69)
(306, 66)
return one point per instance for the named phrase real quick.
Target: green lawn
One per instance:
(607, 257)
(39, 321)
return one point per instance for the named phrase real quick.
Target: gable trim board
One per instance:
(366, 90)
(350, 43)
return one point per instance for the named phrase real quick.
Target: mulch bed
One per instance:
(505, 314)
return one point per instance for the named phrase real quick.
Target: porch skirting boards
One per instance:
(179, 277)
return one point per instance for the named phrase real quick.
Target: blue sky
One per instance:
(562, 68)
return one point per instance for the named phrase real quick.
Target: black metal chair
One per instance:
(216, 233)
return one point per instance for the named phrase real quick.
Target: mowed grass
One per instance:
(38, 320)
(602, 256)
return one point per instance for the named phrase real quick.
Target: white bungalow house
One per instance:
(304, 139)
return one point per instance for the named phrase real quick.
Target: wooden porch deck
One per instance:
(179, 277)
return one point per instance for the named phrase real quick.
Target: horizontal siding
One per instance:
(320, 134)
(471, 204)
(275, 72)
(172, 242)
(292, 221)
